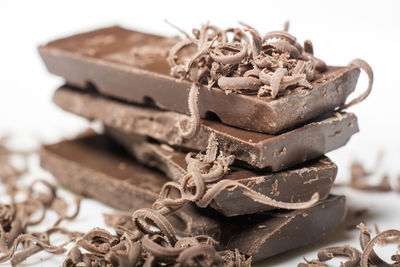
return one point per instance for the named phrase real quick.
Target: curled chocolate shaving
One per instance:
(98, 241)
(369, 248)
(207, 256)
(353, 254)
(32, 249)
(254, 195)
(368, 70)
(229, 54)
(239, 83)
(198, 187)
(29, 251)
(286, 47)
(281, 35)
(158, 251)
(276, 81)
(189, 129)
(152, 222)
(28, 237)
(63, 213)
(166, 199)
(210, 58)
(149, 248)
(17, 243)
(45, 198)
(365, 258)
(202, 184)
(257, 41)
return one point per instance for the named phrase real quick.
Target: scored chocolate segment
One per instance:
(260, 150)
(132, 66)
(293, 185)
(96, 168)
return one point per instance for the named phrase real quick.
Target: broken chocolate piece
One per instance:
(108, 60)
(273, 152)
(292, 186)
(90, 166)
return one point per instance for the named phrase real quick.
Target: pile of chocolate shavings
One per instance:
(364, 258)
(144, 238)
(150, 243)
(242, 61)
(17, 241)
(147, 238)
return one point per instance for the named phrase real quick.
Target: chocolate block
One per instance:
(293, 185)
(94, 167)
(132, 66)
(273, 152)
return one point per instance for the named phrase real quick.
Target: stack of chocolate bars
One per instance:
(276, 121)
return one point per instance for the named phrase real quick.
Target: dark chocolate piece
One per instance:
(93, 167)
(256, 149)
(132, 66)
(294, 185)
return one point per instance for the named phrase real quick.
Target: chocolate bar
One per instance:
(259, 150)
(132, 66)
(294, 185)
(94, 167)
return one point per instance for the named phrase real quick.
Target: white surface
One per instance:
(340, 31)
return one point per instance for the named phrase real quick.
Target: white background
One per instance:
(340, 31)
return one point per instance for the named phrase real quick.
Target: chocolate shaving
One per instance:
(233, 63)
(147, 238)
(17, 243)
(144, 238)
(353, 254)
(368, 70)
(368, 250)
(151, 247)
(194, 122)
(203, 183)
(365, 258)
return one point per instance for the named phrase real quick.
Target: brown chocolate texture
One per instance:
(94, 167)
(132, 66)
(259, 150)
(294, 185)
